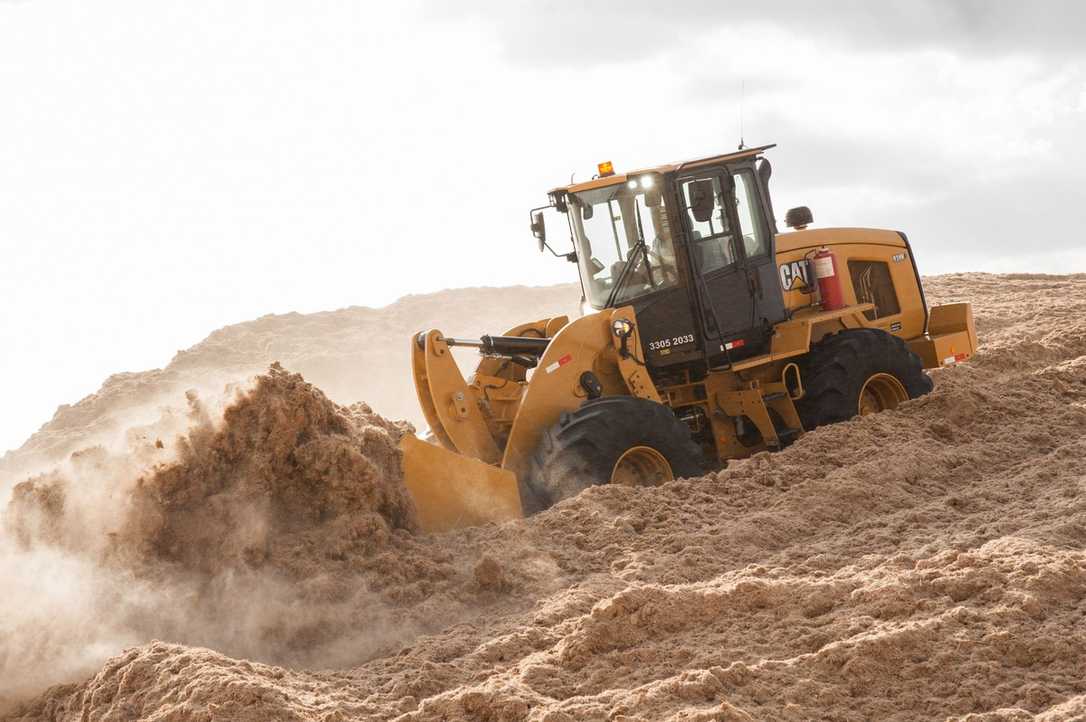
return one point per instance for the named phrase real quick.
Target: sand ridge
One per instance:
(351, 354)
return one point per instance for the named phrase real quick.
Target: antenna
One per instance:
(742, 97)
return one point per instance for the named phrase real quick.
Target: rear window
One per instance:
(872, 283)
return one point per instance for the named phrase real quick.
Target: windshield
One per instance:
(618, 227)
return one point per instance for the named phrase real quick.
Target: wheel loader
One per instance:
(705, 335)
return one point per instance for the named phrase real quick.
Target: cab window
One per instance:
(622, 234)
(711, 234)
(749, 210)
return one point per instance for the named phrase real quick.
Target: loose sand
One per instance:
(928, 563)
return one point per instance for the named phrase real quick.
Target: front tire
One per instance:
(856, 372)
(613, 439)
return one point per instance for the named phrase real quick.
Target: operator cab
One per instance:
(690, 246)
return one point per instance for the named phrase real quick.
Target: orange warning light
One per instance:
(605, 169)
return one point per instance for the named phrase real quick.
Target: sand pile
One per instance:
(285, 469)
(928, 563)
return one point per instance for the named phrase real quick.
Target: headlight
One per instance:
(622, 327)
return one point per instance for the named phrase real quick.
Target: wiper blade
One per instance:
(639, 247)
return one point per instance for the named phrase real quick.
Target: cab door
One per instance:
(716, 257)
(757, 241)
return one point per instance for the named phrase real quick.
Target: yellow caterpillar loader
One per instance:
(705, 335)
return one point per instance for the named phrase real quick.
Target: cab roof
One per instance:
(666, 168)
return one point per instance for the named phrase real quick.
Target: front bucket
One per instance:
(452, 491)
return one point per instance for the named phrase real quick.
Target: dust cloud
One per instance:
(238, 534)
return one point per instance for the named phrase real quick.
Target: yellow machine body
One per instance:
(486, 426)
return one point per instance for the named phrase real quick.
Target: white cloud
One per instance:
(605, 31)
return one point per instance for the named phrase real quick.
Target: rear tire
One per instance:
(615, 437)
(856, 371)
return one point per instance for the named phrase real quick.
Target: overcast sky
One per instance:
(167, 168)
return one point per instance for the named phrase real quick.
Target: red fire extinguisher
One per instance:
(829, 285)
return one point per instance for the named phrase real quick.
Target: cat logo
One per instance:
(794, 275)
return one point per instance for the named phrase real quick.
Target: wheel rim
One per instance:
(641, 466)
(881, 392)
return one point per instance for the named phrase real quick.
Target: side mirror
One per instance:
(702, 201)
(539, 229)
(765, 170)
(798, 218)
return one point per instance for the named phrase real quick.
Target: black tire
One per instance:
(836, 369)
(581, 450)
